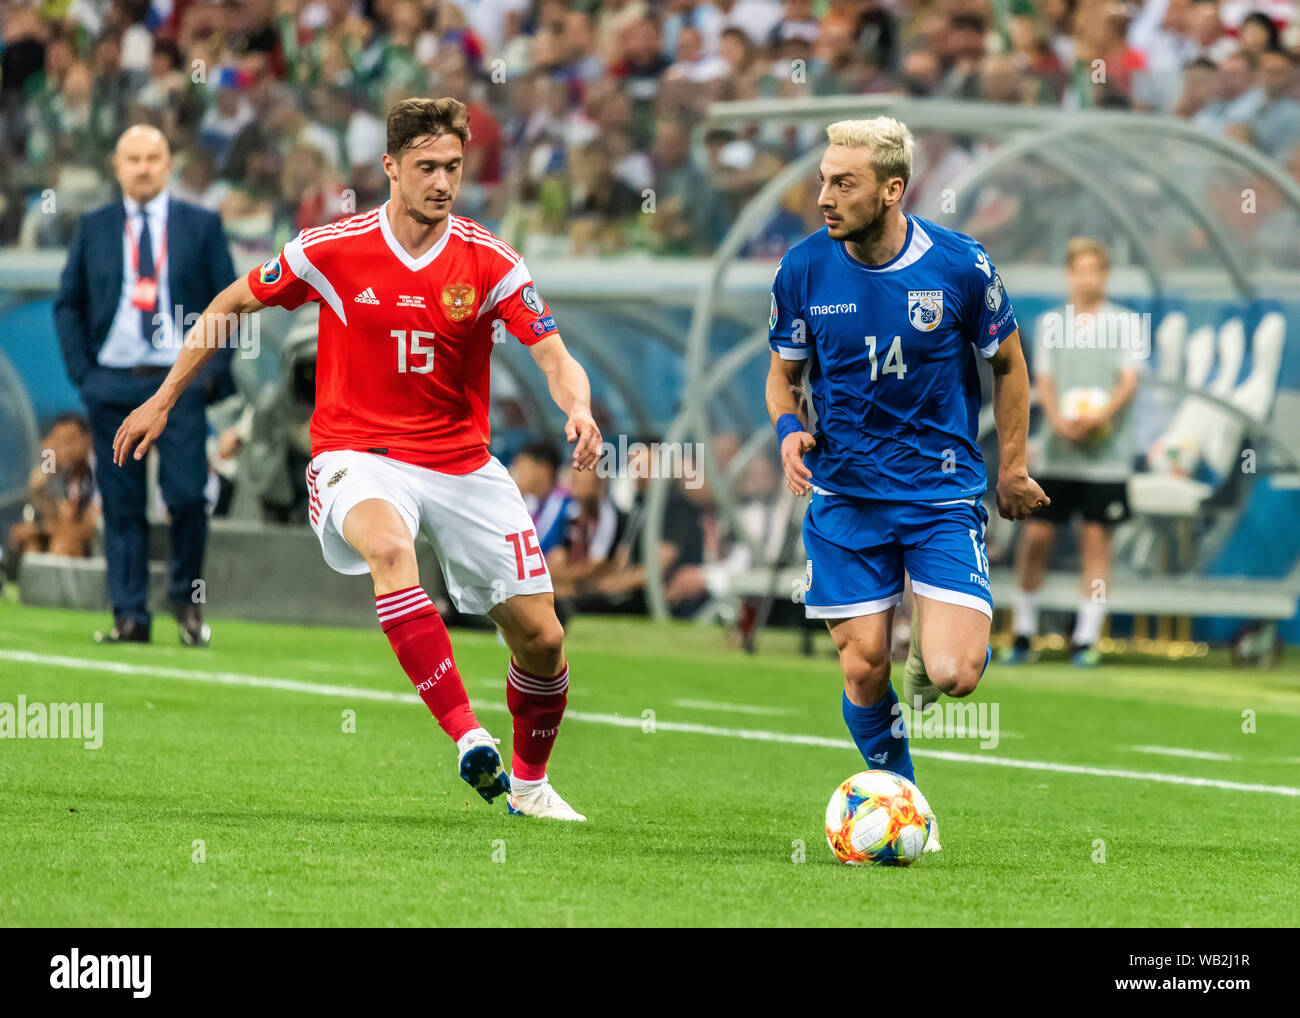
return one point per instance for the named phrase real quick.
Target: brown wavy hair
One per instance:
(412, 119)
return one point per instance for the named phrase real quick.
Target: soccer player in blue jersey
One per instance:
(887, 314)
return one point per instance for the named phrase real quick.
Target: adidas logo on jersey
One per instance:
(366, 296)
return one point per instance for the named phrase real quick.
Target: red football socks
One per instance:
(422, 645)
(537, 703)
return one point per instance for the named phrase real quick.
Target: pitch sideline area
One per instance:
(300, 781)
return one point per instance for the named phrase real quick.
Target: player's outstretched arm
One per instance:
(572, 393)
(210, 333)
(785, 398)
(1018, 494)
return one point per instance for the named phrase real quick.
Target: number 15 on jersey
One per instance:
(406, 361)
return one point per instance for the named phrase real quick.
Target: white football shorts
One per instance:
(477, 522)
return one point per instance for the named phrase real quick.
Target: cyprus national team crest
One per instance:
(925, 309)
(458, 301)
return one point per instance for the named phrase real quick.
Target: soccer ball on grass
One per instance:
(877, 818)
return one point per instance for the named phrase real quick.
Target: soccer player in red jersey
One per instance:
(412, 299)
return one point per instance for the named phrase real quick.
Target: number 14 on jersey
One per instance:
(893, 359)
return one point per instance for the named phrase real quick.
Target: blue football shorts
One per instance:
(858, 550)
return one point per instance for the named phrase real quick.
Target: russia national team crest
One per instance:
(271, 270)
(458, 301)
(925, 309)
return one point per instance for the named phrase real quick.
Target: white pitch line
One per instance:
(618, 720)
(220, 678)
(1191, 754)
(734, 708)
(1107, 772)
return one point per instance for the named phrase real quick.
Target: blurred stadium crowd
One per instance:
(586, 116)
(582, 112)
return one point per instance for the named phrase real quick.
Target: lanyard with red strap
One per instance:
(144, 295)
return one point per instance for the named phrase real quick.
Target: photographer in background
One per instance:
(536, 469)
(61, 514)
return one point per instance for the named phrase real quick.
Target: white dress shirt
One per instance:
(126, 346)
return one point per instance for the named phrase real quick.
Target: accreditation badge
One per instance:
(144, 295)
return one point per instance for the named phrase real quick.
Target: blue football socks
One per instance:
(873, 729)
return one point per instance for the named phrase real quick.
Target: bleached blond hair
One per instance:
(888, 140)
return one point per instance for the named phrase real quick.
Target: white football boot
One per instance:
(926, 810)
(932, 842)
(539, 799)
(479, 763)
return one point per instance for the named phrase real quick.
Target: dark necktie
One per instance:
(146, 271)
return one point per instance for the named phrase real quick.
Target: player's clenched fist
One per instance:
(581, 429)
(798, 478)
(1019, 496)
(143, 425)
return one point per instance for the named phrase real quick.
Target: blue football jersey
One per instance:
(893, 373)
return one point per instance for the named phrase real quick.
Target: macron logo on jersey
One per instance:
(366, 296)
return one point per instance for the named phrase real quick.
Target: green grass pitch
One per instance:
(221, 799)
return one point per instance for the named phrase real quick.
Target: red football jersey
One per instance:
(403, 348)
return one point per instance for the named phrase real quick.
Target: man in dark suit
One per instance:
(136, 267)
